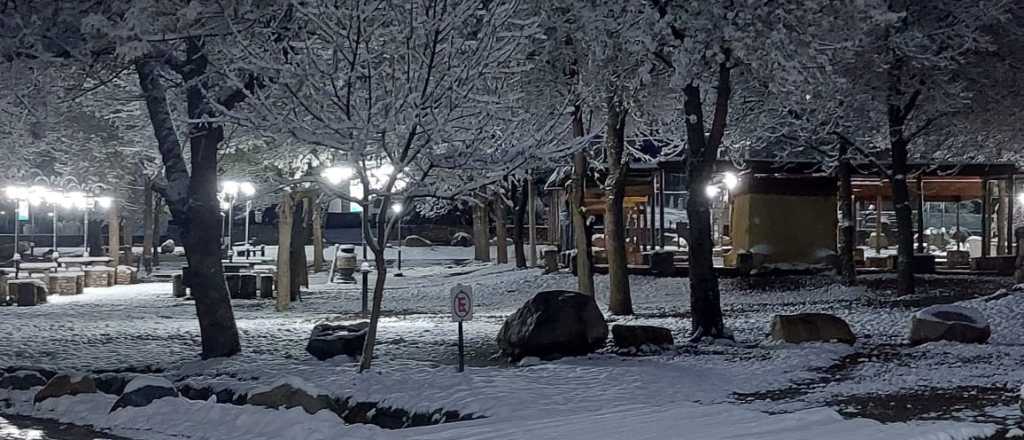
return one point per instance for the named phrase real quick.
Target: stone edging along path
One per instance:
(146, 388)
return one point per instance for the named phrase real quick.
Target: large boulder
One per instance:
(22, 380)
(949, 323)
(638, 336)
(462, 239)
(143, 390)
(811, 327)
(290, 393)
(416, 241)
(66, 385)
(552, 324)
(330, 340)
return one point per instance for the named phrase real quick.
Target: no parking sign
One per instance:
(461, 303)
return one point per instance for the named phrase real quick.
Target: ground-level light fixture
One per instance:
(712, 191)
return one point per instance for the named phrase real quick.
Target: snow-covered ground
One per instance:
(718, 391)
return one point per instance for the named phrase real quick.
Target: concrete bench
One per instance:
(27, 292)
(65, 283)
(99, 276)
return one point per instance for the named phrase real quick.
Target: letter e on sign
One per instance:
(461, 303)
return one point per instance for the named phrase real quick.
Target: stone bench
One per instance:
(65, 283)
(241, 285)
(126, 275)
(27, 292)
(267, 282)
(99, 276)
(1002, 264)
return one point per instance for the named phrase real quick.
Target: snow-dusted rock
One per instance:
(552, 324)
(167, 247)
(66, 385)
(330, 340)
(112, 383)
(949, 323)
(636, 336)
(462, 239)
(416, 241)
(22, 380)
(292, 392)
(143, 390)
(811, 327)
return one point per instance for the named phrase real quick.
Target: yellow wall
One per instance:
(786, 228)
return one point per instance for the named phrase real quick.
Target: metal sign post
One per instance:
(461, 303)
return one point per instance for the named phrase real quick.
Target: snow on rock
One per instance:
(66, 385)
(811, 327)
(143, 391)
(22, 380)
(949, 323)
(552, 324)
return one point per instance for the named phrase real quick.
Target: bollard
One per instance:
(365, 269)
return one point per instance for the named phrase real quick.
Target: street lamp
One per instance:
(397, 208)
(228, 195)
(336, 175)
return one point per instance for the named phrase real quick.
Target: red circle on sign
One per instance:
(462, 304)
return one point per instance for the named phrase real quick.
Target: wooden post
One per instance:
(661, 208)
(147, 227)
(920, 215)
(114, 232)
(957, 223)
(532, 213)
(1001, 232)
(878, 221)
(481, 245)
(986, 219)
(1011, 195)
(157, 210)
(285, 217)
(318, 239)
(500, 233)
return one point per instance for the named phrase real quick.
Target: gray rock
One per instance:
(462, 239)
(330, 340)
(22, 380)
(167, 247)
(416, 241)
(143, 390)
(66, 385)
(811, 327)
(552, 324)
(112, 383)
(949, 323)
(636, 336)
(288, 396)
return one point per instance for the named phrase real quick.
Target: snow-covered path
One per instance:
(142, 328)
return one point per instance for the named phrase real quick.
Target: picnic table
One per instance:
(82, 261)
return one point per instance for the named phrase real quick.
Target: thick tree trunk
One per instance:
(847, 269)
(147, 227)
(193, 199)
(318, 240)
(584, 262)
(518, 218)
(904, 220)
(619, 300)
(481, 245)
(285, 217)
(95, 236)
(500, 233)
(114, 232)
(297, 249)
(705, 301)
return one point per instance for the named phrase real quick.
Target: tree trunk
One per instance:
(147, 227)
(318, 240)
(297, 249)
(481, 245)
(904, 220)
(619, 299)
(847, 225)
(285, 217)
(378, 246)
(584, 259)
(114, 232)
(500, 233)
(95, 236)
(518, 218)
(705, 301)
(193, 199)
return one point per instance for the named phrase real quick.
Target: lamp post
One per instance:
(248, 190)
(229, 195)
(397, 208)
(365, 269)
